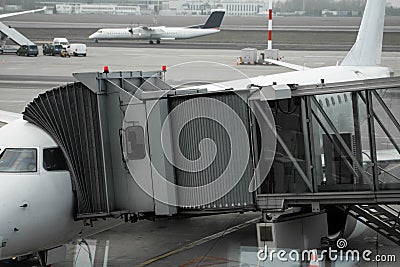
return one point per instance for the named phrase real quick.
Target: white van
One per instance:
(61, 41)
(77, 50)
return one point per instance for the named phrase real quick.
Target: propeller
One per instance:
(130, 29)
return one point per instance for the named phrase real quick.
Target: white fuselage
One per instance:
(36, 207)
(333, 74)
(47, 218)
(151, 33)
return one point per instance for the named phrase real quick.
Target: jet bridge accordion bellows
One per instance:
(70, 115)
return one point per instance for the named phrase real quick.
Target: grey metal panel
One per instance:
(160, 148)
(197, 130)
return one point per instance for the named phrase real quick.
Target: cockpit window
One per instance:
(53, 160)
(18, 160)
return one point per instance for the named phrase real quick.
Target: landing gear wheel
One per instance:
(151, 42)
(96, 41)
(158, 41)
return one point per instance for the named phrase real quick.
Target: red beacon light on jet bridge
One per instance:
(164, 68)
(106, 70)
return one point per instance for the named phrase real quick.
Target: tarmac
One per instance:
(22, 78)
(183, 242)
(229, 22)
(290, 33)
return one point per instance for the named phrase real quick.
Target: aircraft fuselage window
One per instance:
(18, 160)
(327, 102)
(53, 160)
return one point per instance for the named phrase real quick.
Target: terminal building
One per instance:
(97, 9)
(202, 7)
(176, 7)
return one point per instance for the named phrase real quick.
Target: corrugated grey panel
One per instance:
(197, 129)
(70, 115)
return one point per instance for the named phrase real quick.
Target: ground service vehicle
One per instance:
(50, 49)
(64, 53)
(28, 50)
(77, 50)
(10, 49)
(61, 41)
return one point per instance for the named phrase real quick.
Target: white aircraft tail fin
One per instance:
(368, 47)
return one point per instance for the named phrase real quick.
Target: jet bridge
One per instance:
(13, 34)
(135, 146)
(345, 146)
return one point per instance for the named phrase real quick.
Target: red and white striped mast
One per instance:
(270, 25)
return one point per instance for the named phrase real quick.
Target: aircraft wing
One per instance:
(286, 65)
(385, 156)
(7, 117)
(388, 155)
(145, 28)
(21, 13)
(153, 30)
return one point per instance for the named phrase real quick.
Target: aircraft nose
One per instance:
(11, 207)
(93, 36)
(31, 219)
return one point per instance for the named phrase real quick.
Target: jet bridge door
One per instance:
(86, 120)
(199, 131)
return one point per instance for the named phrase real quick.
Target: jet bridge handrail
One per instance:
(346, 87)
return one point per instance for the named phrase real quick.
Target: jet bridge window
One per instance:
(135, 143)
(287, 173)
(53, 160)
(18, 160)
